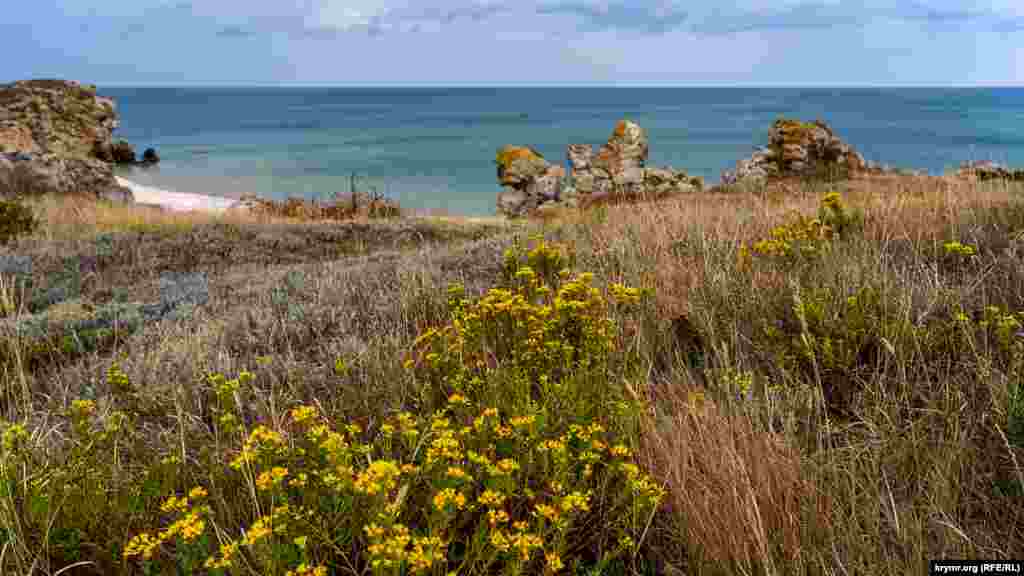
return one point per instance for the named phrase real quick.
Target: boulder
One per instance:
(122, 152)
(519, 165)
(150, 156)
(798, 148)
(527, 180)
(56, 136)
(659, 182)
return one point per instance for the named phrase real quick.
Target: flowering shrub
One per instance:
(518, 459)
(805, 237)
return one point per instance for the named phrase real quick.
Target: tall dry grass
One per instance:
(901, 445)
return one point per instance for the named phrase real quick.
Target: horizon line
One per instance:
(534, 85)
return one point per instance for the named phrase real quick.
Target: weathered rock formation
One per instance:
(618, 165)
(987, 170)
(798, 148)
(616, 171)
(56, 136)
(528, 180)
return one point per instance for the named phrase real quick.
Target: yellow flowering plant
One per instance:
(521, 443)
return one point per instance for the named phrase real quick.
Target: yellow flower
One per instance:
(271, 479)
(188, 527)
(83, 408)
(174, 504)
(491, 499)
(495, 517)
(553, 561)
(227, 552)
(458, 400)
(197, 493)
(373, 531)
(500, 541)
(505, 467)
(458, 473)
(307, 570)
(522, 421)
(426, 551)
(550, 512)
(444, 446)
(449, 496)
(260, 529)
(303, 414)
(142, 545)
(576, 501)
(380, 475)
(620, 451)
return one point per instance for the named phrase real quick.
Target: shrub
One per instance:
(518, 458)
(807, 238)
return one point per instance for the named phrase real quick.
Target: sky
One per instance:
(516, 42)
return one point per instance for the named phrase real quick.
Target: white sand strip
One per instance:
(176, 201)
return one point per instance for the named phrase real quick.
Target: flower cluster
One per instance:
(523, 440)
(188, 524)
(805, 237)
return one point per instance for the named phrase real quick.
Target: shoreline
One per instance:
(177, 201)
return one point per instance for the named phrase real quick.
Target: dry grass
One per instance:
(872, 463)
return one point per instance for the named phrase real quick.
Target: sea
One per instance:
(432, 148)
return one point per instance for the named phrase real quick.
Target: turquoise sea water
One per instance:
(433, 148)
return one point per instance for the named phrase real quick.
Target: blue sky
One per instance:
(635, 42)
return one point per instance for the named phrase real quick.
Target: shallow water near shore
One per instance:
(432, 149)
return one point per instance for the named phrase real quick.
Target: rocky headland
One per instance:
(57, 136)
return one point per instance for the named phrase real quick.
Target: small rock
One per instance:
(150, 156)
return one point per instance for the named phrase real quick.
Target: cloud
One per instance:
(646, 17)
(553, 41)
(825, 14)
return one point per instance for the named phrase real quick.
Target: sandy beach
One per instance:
(177, 201)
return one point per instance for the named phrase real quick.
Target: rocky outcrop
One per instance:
(122, 153)
(30, 175)
(799, 149)
(618, 165)
(56, 136)
(528, 180)
(616, 171)
(987, 170)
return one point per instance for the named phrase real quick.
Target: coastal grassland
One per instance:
(801, 379)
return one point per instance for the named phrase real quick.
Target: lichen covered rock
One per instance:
(797, 148)
(527, 179)
(616, 172)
